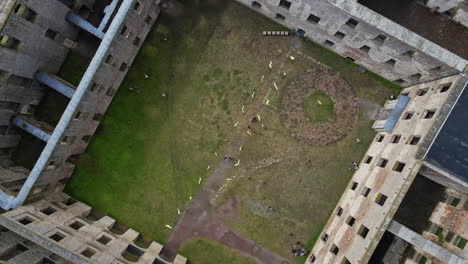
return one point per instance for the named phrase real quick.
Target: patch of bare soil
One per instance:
(345, 107)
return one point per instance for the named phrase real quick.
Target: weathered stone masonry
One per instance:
(369, 39)
(39, 38)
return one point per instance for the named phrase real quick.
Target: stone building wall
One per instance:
(41, 51)
(449, 223)
(19, 250)
(106, 81)
(459, 7)
(448, 229)
(364, 36)
(35, 37)
(73, 231)
(376, 190)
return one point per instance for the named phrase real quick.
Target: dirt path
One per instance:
(198, 219)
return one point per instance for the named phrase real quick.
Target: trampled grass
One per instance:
(145, 160)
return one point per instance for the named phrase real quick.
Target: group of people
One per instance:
(299, 249)
(356, 166)
(251, 130)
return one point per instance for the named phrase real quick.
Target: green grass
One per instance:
(145, 160)
(348, 69)
(318, 107)
(198, 249)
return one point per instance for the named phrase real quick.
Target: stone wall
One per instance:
(364, 36)
(19, 250)
(38, 49)
(458, 7)
(73, 231)
(35, 37)
(377, 188)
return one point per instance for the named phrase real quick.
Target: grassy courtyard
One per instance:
(151, 152)
(318, 107)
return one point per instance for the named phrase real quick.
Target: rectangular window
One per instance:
(368, 159)
(365, 48)
(69, 202)
(365, 191)
(328, 43)
(13, 252)
(363, 231)
(395, 139)
(354, 186)
(52, 34)
(26, 220)
(97, 117)
(461, 244)
(78, 116)
(391, 62)
(380, 138)
(104, 239)
(52, 165)
(408, 115)
(109, 59)
(381, 199)
(414, 140)
(285, 4)
(324, 237)
(350, 221)
(26, 13)
(93, 87)
(67, 140)
(334, 249)
(399, 166)
(280, 17)
(428, 114)
(110, 92)
(352, 23)
(454, 201)
(123, 30)
(58, 236)
(138, 7)
(48, 210)
(380, 39)
(76, 225)
(123, 66)
(137, 41)
(88, 252)
(46, 261)
(148, 20)
(400, 81)
(422, 91)
(339, 212)
(382, 163)
(409, 54)
(340, 35)
(345, 261)
(86, 138)
(256, 4)
(313, 19)
(9, 42)
(416, 76)
(444, 87)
